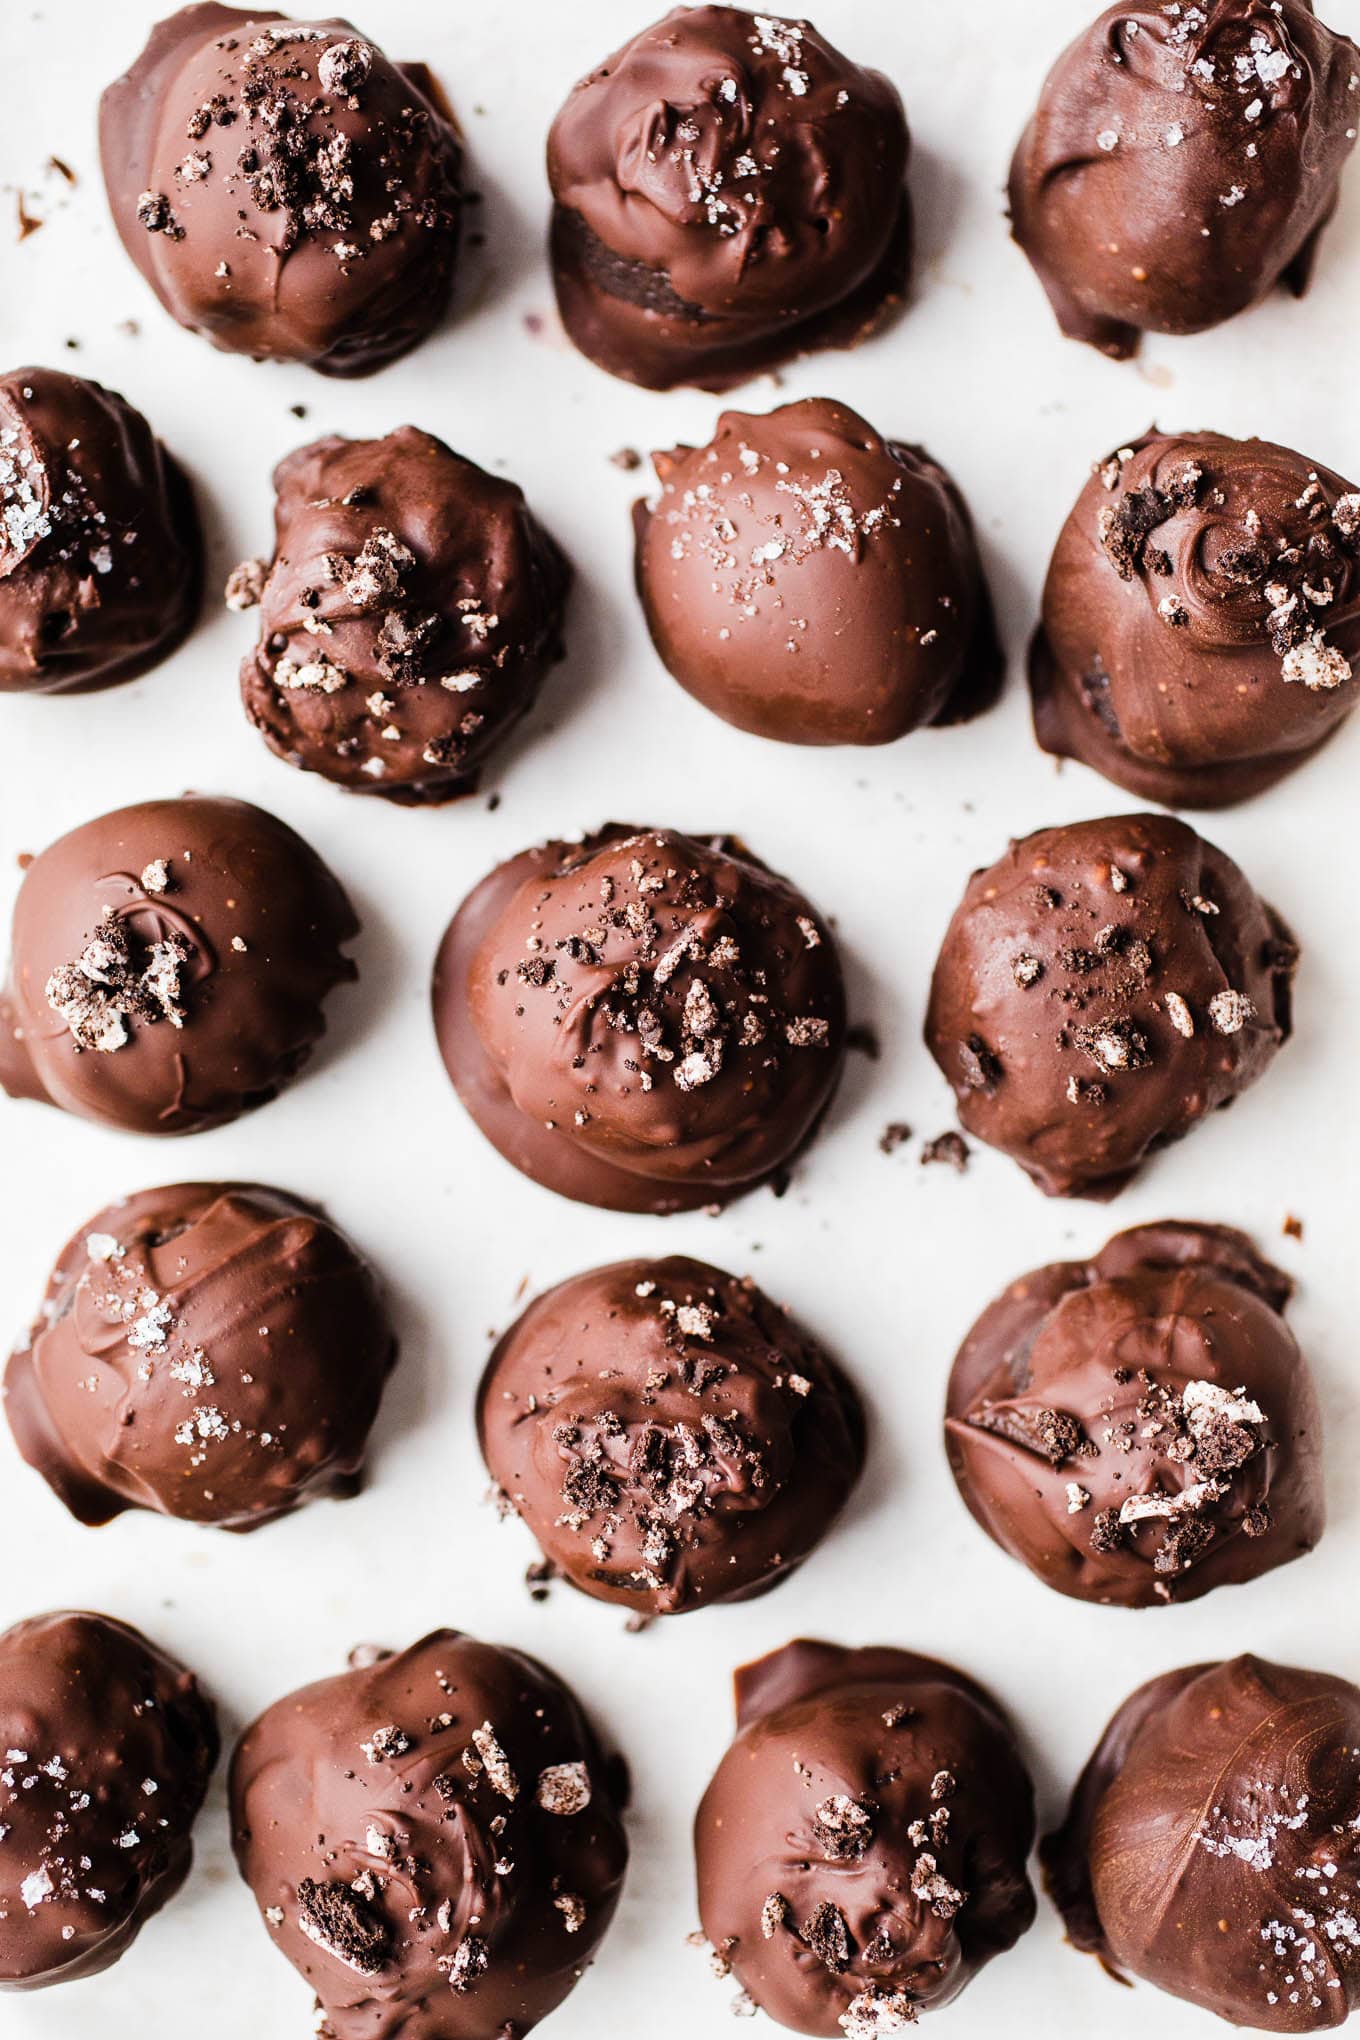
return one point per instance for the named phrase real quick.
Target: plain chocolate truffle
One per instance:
(212, 1351)
(168, 965)
(108, 1746)
(1181, 163)
(1100, 989)
(641, 1019)
(1210, 1844)
(407, 618)
(809, 580)
(284, 188)
(670, 1436)
(729, 192)
(861, 1849)
(433, 1839)
(101, 560)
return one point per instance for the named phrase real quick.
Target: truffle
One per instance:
(407, 618)
(284, 188)
(729, 193)
(809, 580)
(670, 1436)
(862, 1846)
(1181, 163)
(1100, 989)
(101, 560)
(1209, 1847)
(108, 1746)
(640, 1019)
(1142, 1427)
(433, 1839)
(168, 965)
(1201, 618)
(211, 1351)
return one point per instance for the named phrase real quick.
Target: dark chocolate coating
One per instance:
(1201, 618)
(1181, 163)
(284, 188)
(641, 1020)
(101, 561)
(861, 1849)
(412, 608)
(729, 192)
(211, 1351)
(809, 580)
(1100, 989)
(106, 1749)
(434, 1840)
(1141, 1428)
(167, 1001)
(1210, 1847)
(670, 1436)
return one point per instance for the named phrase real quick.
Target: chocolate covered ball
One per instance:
(107, 1748)
(168, 965)
(809, 580)
(1182, 163)
(641, 1019)
(729, 192)
(407, 618)
(1100, 989)
(861, 1849)
(433, 1839)
(1201, 623)
(1142, 1427)
(670, 1436)
(1210, 1846)
(101, 560)
(211, 1351)
(284, 188)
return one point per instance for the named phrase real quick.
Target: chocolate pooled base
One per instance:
(861, 1849)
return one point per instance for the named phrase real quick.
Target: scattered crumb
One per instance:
(893, 1136)
(626, 458)
(947, 1147)
(1292, 1227)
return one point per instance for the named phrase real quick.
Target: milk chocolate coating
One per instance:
(1210, 1846)
(641, 1020)
(809, 580)
(284, 188)
(101, 560)
(108, 1746)
(411, 610)
(730, 192)
(211, 1351)
(1141, 1428)
(1100, 989)
(861, 1849)
(168, 965)
(1201, 620)
(434, 1840)
(670, 1436)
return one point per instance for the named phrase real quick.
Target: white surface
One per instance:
(887, 1260)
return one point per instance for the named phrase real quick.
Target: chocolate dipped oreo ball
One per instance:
(100, 555)
(642, 1019)
(433, 1839)
(1201, 623)
(108, 1746)
(1100, 989)
(409, 614)
(211, 1351)
(861, 1849)
(729, 192)
(284, 188)
(1210, 1847)
(670, 1436)
(1141, 1428)
(168, 965)
(809, 580)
